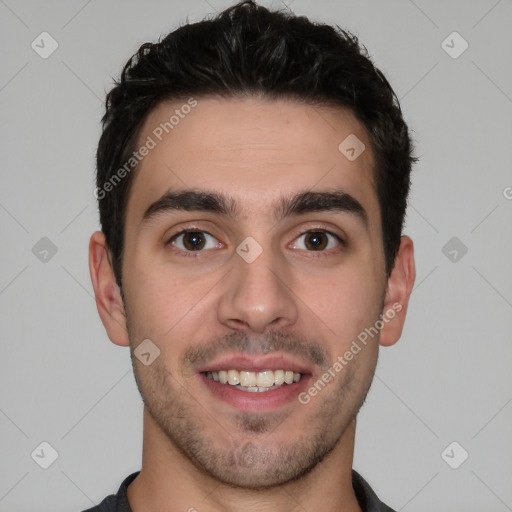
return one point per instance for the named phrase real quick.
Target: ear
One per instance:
(108, 295)
(398, 291)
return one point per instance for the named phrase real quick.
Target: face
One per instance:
(253, 253)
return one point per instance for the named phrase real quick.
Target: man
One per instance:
(252, 179)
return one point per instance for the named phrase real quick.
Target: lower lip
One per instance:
(257, 401)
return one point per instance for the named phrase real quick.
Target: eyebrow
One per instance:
(286, 206)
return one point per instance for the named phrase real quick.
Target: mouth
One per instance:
(255, 382)
(252, 383)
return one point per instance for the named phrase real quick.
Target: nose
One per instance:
(257, 296)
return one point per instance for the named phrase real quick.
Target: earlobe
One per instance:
(399, 288)
(107, 293)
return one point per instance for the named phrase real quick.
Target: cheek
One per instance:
(164, 306)
(346, 302)
(152, 299)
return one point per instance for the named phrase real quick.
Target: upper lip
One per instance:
(255, 363)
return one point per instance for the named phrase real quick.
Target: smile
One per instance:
(255, 382)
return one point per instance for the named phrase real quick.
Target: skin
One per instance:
(198, 450)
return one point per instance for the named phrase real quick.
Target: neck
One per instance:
(169, 481)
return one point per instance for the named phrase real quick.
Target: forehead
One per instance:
(254, 150)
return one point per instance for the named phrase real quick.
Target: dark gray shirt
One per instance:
(368, 500)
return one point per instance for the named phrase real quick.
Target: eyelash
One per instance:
(195, 254)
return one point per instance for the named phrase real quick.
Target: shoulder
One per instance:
(366, 496)
(116, 502)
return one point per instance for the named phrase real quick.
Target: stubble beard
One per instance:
(252, 455)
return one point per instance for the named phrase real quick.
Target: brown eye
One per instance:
(316, 240)
(193, 241)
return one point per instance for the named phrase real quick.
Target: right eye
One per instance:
(192, 240)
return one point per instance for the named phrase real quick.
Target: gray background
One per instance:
(448, 379)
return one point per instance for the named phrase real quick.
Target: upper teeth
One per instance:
(265, 379)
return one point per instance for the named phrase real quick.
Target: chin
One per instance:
(259, 466)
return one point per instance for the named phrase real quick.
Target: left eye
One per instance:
(318, 240)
